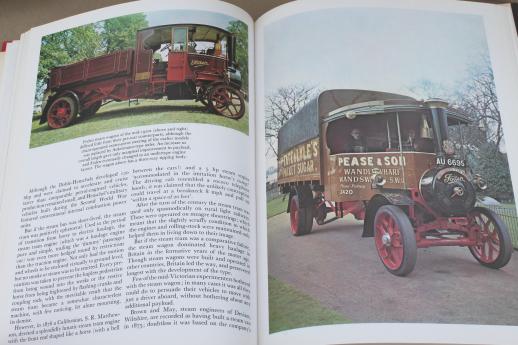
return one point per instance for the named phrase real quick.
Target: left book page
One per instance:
(127, 211)
(8, 60)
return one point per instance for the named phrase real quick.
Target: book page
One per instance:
(8, 63)
(128, 213)
(2, 54)
(385, 192)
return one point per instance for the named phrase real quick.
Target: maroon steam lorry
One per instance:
(181, 61)
(387, 159)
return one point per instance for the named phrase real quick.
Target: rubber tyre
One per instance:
(497, 234)
(399, 253)
(301, 219)
(62, 111)
(226, 101)
(203, 95)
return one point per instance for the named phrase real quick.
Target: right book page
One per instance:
(386, 210)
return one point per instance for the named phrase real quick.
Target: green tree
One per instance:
(483, 139)
(66, 47)
(493, 166)
(52, 53)
(240, 29)
(84, 42)
(120, 33)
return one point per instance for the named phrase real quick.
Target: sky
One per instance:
(187, 17)
(378, 49)
(391, 50)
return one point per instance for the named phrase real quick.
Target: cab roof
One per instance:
(201, 32)
(338, 103)
(393, 105)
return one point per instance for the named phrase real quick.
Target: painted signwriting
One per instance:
(199, 63)
(351, 175)
(352, 161)
(300, 163)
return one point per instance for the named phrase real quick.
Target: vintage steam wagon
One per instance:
(387, 159)
(183, 61)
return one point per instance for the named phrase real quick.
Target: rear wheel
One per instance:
(301, 218)
(62, 111)
(395, 240)
(496, 245)
(227, 101)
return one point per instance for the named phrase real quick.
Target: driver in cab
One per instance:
(356, 142)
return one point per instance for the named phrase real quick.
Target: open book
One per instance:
(335, 172)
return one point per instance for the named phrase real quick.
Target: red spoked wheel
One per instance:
(227, 101)
(496, 247)
(301, 218)
(395, 240)
(62, 112)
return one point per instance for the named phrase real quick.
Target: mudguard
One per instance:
(51, 99)
(381, 199)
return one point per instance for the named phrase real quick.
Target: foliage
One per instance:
(483, 139)
(478, 99)
(84, 42)
(493, 166)
(289, 309)
(240, 29)
(65, 47)
(475, 97)
(120, 33)
(280, 106)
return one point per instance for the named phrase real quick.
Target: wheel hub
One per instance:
(386, 240)
(457, 191)
(62, 111)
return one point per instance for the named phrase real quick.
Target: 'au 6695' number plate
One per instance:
(453, 162)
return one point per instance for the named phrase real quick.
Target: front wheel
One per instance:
(496, 245)
(227, 101)
(395, 240)
(62, 111)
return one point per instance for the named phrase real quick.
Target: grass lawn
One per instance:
(290, 309)
(276, 206)
(118, 115)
